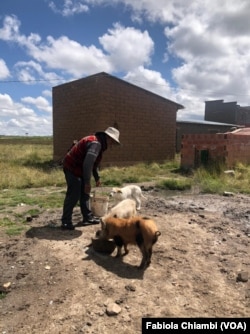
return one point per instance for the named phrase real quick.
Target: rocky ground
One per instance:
(52, 282)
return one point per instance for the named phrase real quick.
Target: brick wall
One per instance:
(238, 149)
(147, 122)
(229, 148)
(185, 127)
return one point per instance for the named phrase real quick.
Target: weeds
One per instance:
(3, 295)
(29, 176)
(11, 228)
(175, 184)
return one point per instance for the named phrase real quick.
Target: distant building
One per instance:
(227, 112)
(199, 127)
(228, 148)
(147, 122)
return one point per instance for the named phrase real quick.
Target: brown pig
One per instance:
(140, 231)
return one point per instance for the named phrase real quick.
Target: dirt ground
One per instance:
(55, 283)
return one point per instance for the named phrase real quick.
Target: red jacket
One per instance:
(74, 159)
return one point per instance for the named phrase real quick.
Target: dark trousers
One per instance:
(75, 193)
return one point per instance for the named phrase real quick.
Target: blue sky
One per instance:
(188, 51)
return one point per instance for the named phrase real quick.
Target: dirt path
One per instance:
(200, 268)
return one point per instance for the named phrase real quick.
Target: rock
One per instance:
(228, 193)
(126, 318)
(113, 309)
(229, 172)
(247, 295)
(130, 287)
(7, 285)
(109, 301)
(242, 277)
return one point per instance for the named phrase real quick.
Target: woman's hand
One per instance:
(98, 183)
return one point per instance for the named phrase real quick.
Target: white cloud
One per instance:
(72, 57)
(150, 80)
(9, 108)
(77, 60)
(29, 71)
(62, 54)
(10, 32)
(19, 118)
(47, 93)
(4, 71)
(33, 125)
(40, 103)
(69, 7)
(10, 28)
(120, 44)
(208, 44)
(151, 10)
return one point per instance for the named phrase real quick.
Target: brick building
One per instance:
(227, 112)
(199, 127)
(229, 148)
(147, 122)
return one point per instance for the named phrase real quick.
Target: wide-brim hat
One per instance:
(113, 133)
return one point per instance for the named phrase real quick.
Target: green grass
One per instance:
(11, 228)
(3, 295)
(44, 198)
(28, 166)
(30, 178)
(214, 180)
(142, 172)
(27, 163)
(175, 184)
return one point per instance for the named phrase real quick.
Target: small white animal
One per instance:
(130, 191)
(125, 209)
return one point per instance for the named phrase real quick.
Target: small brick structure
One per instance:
(147, 122)
(229, 148)
(199, 127)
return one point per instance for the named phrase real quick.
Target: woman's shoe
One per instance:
(67, 227)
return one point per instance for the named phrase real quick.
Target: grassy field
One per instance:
(30, 177)
(27, 163)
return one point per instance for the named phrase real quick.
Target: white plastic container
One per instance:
(99, 205)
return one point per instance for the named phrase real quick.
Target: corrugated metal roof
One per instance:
(206, 123)
(242, 131)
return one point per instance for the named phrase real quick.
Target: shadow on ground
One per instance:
(52, 233)
(114, 265)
